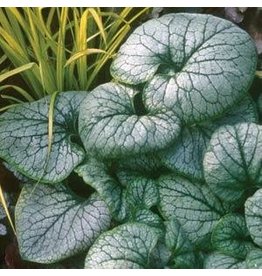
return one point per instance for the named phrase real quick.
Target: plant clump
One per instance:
(170, 149)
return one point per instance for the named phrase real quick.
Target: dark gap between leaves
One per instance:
(75, 139)
(78, 186)
(139, 106)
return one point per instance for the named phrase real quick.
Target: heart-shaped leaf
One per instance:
(24, 137)
(110, 125)
(53, 224)
(197, 65)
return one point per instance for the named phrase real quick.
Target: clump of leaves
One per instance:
(170, 151)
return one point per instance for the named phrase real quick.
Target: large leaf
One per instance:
(253, 213)
(231, 237)
(24, 138)
(186, 155)
(232, 163)
(111, 125)
(222, 261)
(197, 65)
(126, 246)
(53, 224)
(193, 205)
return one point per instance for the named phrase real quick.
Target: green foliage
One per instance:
(180, 90)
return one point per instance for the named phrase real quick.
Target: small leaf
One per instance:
(24, 138)
(111, 126)
(217, 260)
(96, 174)
(2, 211)
(231, 237)
(253, 214)
(193, 205)
(126, 246)
(53, 224)
(232, 163)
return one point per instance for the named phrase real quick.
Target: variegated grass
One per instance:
(59, 49)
